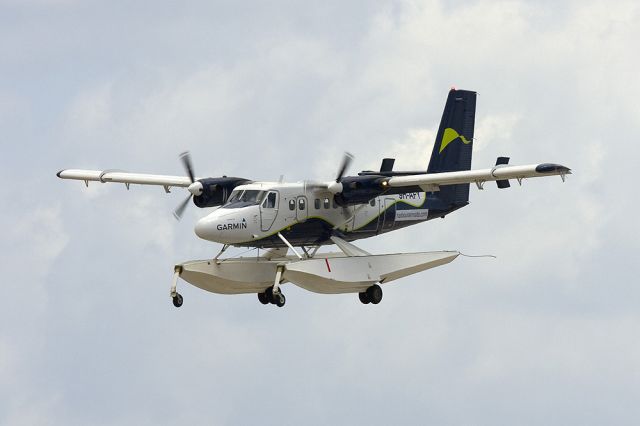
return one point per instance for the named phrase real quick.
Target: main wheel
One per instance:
(268, 293)
(374, 293)
(364, 298)
(262, 297)
(280, 300)
(177, 300)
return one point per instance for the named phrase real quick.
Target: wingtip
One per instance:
(552, 168)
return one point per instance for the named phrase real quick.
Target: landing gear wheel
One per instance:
(263, 298)
(374, 293)
(177, 300)
(268, 294)
(364, 298)
(274, 298)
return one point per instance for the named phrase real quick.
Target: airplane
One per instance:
(279, 216)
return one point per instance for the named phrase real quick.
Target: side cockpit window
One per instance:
(271, 201)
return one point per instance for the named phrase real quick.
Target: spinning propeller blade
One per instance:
(186, 162)
(336, 187)
(346, 161)
(195, 188)
(177, 213)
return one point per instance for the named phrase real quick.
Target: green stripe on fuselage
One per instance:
(375, 218)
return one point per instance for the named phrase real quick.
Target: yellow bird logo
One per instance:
(449, 136)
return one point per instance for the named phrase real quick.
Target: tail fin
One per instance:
(454, 144)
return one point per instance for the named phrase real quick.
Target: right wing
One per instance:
(123, 177)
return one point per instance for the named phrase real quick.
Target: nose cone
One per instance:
(206, 229)
(229, 227)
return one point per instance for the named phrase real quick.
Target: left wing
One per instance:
(433, 181)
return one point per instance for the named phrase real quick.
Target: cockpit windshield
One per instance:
(243, 198)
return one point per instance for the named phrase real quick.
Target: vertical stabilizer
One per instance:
(454, 144)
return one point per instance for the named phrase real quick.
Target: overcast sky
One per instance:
(547, 333)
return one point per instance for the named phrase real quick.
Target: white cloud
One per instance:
(416, 141)
(495, 130)
(90, 111)
(286, 91)
(40, 233)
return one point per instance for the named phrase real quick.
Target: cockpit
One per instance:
(248, 211)
(250, 197)
(243, 198)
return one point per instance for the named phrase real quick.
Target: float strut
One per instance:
(174, 283)
(224, 248)
(276, 283)
(284, 240)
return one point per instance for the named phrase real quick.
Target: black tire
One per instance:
(280, 300)
(374, 293)
(262, 297)
(269, 295)
(177, 300)
(364, 298)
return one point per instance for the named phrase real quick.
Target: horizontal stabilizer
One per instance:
(387, 165)
(503, 184)
(502, 161)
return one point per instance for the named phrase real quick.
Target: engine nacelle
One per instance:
(360, 189)
(216, 191)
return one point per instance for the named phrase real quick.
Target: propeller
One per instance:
(346, 161)
(195, 188)
(335, 187)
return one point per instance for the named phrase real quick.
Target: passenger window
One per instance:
(326, 203)
(335, 206)
(373, 202)
(301, 205)
(316, 203)
(292, 204)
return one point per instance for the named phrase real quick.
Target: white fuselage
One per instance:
(259, 210)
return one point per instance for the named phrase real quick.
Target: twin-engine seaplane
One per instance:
(279, 216)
